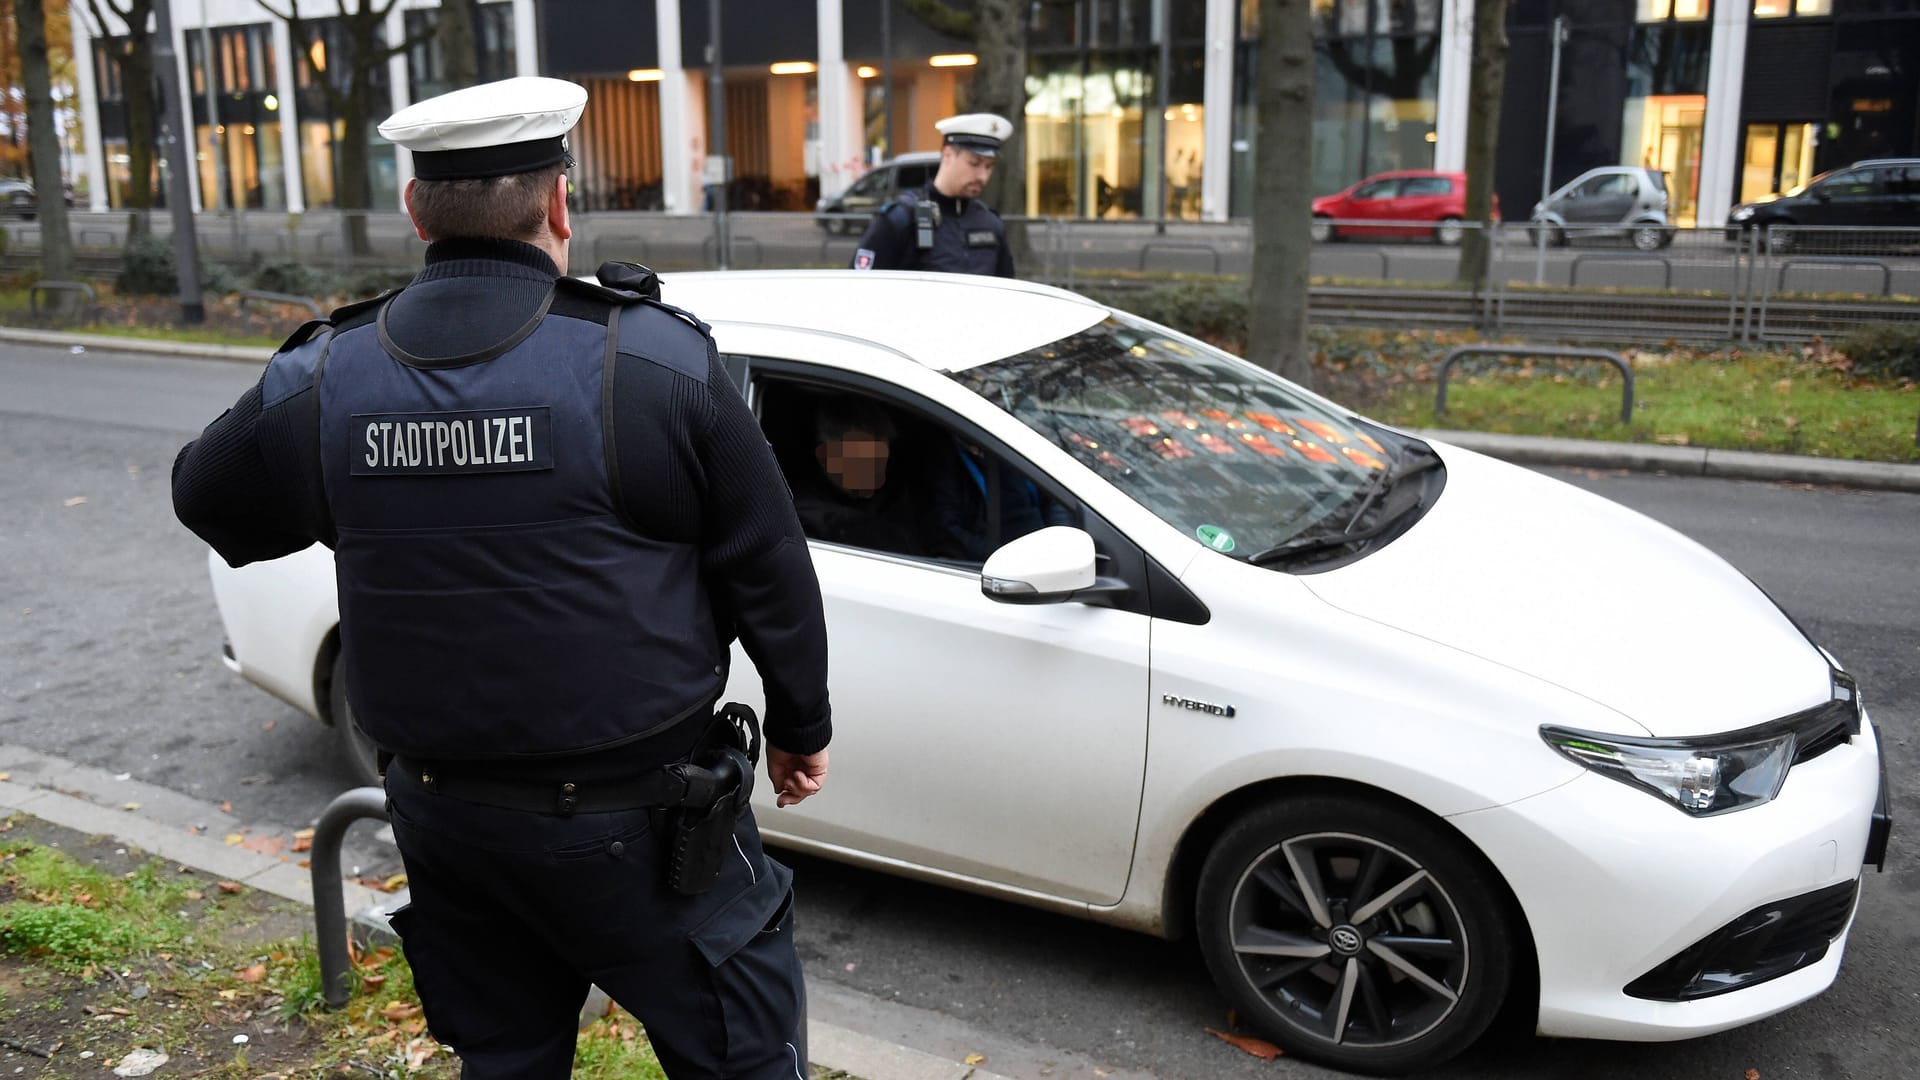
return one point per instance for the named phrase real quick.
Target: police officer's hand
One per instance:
(795, 776)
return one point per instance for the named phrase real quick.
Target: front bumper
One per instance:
(1616, 883)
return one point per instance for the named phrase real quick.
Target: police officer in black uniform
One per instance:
(944, 226)
(551, 513)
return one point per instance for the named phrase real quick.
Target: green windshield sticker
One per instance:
(1215, 537)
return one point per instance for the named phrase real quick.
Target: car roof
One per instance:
(1408, 174)
(918, 157)
(1883, 161)
(947, 322)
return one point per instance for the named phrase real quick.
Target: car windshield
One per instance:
(1220, 449)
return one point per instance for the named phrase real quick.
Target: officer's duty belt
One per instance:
(676, 785)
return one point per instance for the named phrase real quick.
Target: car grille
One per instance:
(1765, 943)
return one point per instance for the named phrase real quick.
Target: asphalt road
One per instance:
(109, 655)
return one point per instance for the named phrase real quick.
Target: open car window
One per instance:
(937, 494)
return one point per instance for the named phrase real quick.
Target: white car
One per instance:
(1393, 729)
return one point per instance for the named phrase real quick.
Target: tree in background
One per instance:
(997, 29)
(132, 56)
(347, 78)
(1283, 190)
(459, 53)
(1485, 87)
(36, 74)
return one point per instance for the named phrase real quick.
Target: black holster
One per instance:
(718, 787)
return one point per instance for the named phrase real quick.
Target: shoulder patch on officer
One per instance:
(295, 368)
(863, 259)
(666, 336)
(452, 443)
(342, 314)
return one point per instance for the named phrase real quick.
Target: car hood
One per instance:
(1321, 202)
(1542, 577)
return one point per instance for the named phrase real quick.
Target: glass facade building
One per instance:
(1133, 108)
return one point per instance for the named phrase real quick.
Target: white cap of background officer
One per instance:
(981, 133)
(494, 129)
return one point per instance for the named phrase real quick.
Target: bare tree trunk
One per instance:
(56, 242)
(459, 60)
(353, 195)
(1486, 86)
(1283, 190)
(136, 75)
(1000, 86)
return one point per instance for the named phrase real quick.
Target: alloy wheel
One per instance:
(1350, 940)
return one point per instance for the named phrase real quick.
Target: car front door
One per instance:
(1603, 200)
(971, 737)
(1372, 202)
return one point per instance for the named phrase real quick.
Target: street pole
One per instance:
(717, 132)
(186, 246)
(886, 78)
(1166, 101)
(1546, 164)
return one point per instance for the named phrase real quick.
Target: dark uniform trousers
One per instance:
(562, 902)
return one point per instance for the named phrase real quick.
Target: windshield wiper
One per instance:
(1377, 487)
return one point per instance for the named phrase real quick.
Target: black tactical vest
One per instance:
(494, 599)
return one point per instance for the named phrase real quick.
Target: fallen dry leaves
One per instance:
(400, 1010)
(1259, 1048)
(229, 887)
(252, 974)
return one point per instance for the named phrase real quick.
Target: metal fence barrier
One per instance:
(1715, 284)
(249, 296)
(329, 896)
(39, 289)
(1456, 354)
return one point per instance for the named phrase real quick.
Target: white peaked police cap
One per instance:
(981, 133)
(494, 129)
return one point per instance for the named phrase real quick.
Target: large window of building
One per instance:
(237, 147)
(1376, 85)
(1663, 123)
(323, 73)
(1781, 9)
(1776, 157)
(1098, 141)
(493, 46)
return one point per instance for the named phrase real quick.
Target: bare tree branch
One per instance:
(942, 16)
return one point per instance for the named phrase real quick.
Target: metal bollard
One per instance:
(329, 899)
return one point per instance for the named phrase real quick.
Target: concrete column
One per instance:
(526, 36)
(289, 118)
(1217, 96)
(83, 73)
(1456, 67)
(679, 127)
(1720, 143)
(842, 134)
(402, 93)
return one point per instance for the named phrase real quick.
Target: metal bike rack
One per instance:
(1175, 245)
(35, 290)
(329, 897)
(1886, 272)
(263, 296)
(1454, 354)
(1573, 271)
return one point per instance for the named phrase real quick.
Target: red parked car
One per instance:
(1402, 196)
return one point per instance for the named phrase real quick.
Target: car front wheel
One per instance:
(361, 755)
(1323, 229)
(1355, 934)
(1648, 237)
(1448, 232)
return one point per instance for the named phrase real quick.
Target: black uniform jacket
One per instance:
(692, 466)
(969, 238)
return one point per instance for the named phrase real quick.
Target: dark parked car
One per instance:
(1399, 197)
(16, 197)
(1613, 200)
(1884, 192)
(848, 211)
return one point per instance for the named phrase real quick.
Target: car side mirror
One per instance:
(1046, 566)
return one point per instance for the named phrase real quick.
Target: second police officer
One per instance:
(944, 226)
(551, 513)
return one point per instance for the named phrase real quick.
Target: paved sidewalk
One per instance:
(170, 826)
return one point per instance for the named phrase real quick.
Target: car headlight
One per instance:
(1741, 213)
(1707, 776)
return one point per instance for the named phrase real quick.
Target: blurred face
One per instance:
(963, 174)
(856, 462)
